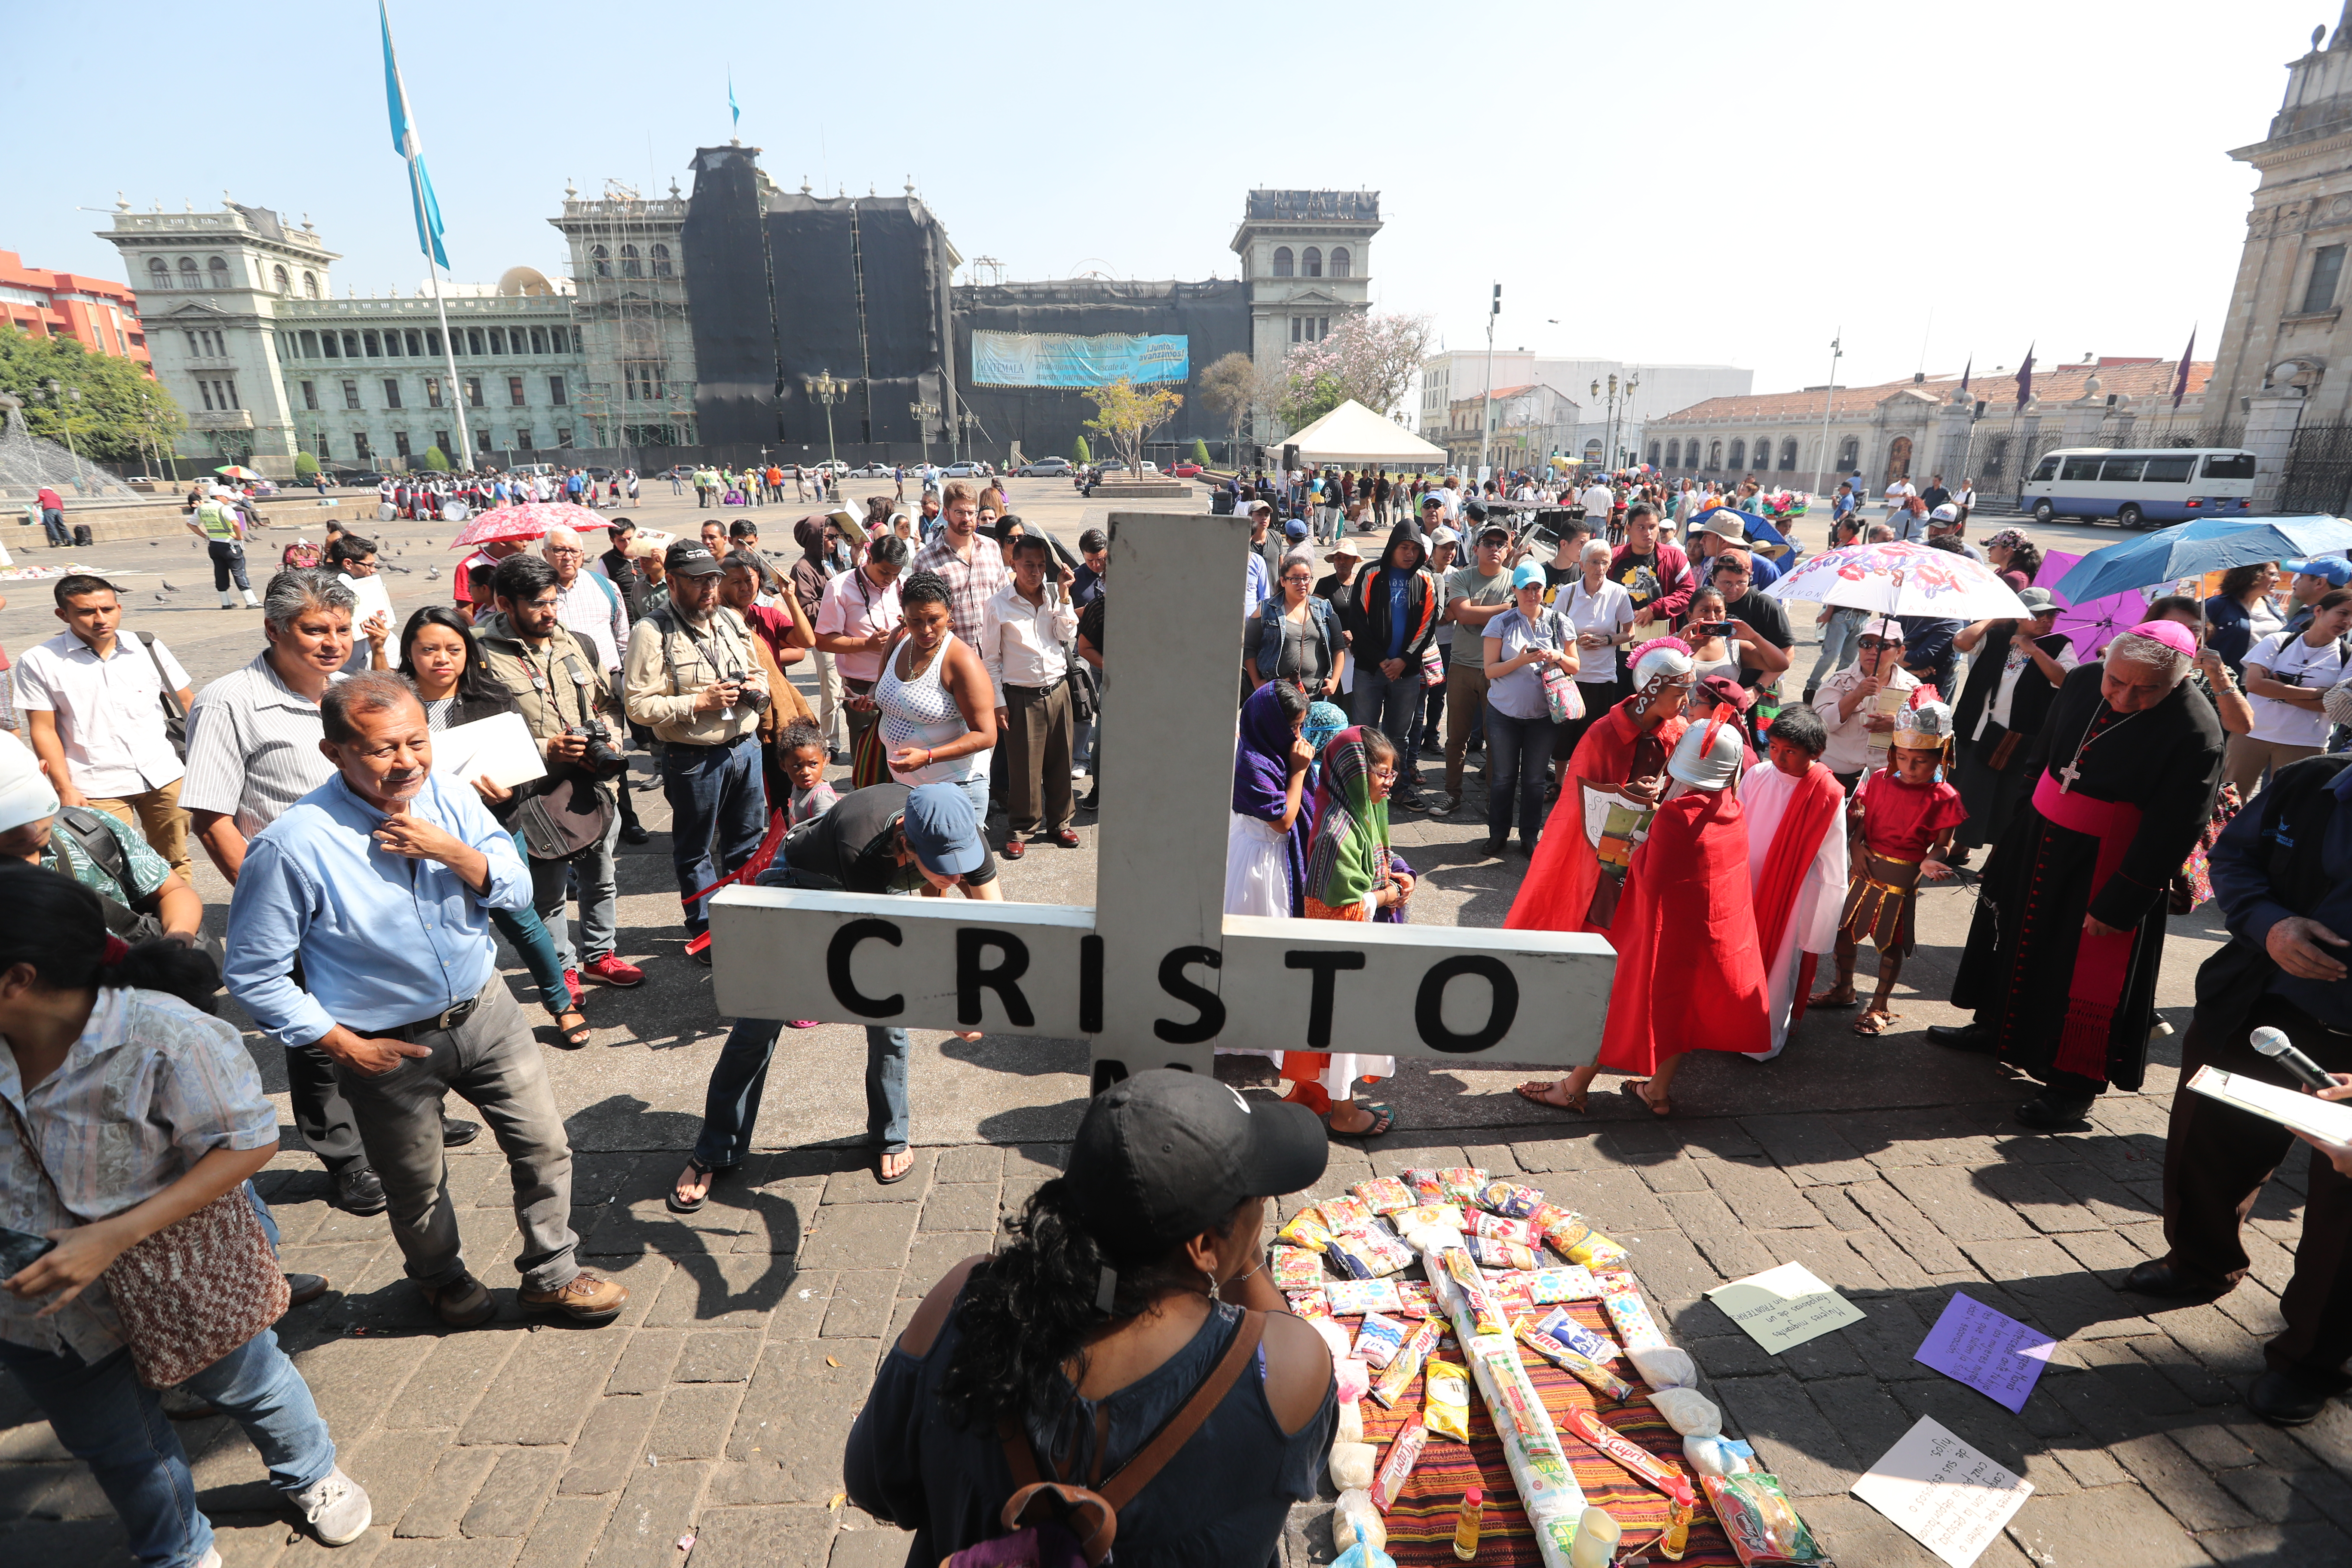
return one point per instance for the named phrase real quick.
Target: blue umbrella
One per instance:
(1758, 528)
(2193, 549)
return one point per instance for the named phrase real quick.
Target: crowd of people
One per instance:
(1619, 665)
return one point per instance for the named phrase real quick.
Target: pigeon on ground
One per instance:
(433, 574)
(169, 587)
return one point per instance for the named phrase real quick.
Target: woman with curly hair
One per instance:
(2011, 551)
(1131, 1297)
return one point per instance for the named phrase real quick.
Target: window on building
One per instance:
(206, 389)
(514, 391)
(1849, 454)
(1322, 328)
(555, 395)
(351, 394)
(1714, 454)
(327, 342)
(473, 392)
(482, 439)
(498, 341)
(1282, 261)
(522, 439)
(359, 446)
(219, 269)
(350, 345)
(1339, 261)
(1673, 454)
(391, 392)
(474, 339)
(194, 348)
(399, 443)
(2326, 267)
(228, 392)
(432, 392)
(159, 272)
(630, 266)
(310, 285)
(279, 276)
(563, 435)
(415, 346)
(1653, 454)
(433, 342)
(1789, 455)
(325, 450)
(441, 439)
(600, 261)
(188, 275)
(309, 345)
(538, 340)
(311, 395)
(1311, 263)
(1297, 329)
(660, 255)
(1739, 454)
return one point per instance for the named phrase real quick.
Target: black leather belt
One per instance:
(440, 1023)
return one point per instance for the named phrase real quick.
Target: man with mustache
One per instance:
(380, 883)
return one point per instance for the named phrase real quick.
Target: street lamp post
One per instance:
(1828, 397)
(966, 422)
(828, 389)
(924, 414)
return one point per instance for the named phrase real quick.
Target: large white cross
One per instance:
(1158, 975)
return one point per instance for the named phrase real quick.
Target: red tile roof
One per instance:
(2144, 381)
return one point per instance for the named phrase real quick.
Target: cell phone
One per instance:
(1713, 628)
(18, 1249)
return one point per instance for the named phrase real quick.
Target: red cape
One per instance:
(1556, 893)
(1812, 812)
(1689, 974)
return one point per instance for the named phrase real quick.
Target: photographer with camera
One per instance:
(693, 677)
(558, 686)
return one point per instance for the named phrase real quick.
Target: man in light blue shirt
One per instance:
(379, 883)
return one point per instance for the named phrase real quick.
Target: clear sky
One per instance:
(1704, 182)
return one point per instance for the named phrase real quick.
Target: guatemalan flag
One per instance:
(404, 142)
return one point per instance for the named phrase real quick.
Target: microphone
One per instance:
(2273, 1044)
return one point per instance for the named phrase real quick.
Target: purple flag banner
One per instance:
(2025, 379)
(2180, 381)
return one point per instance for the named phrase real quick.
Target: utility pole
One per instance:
(827, 389)
(1828, 397)
(924, 413)
(1487, 399)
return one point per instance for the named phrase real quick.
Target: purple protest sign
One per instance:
(1990, 1351)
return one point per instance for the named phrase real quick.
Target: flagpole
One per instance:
(448, 346)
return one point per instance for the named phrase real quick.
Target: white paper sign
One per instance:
(1783, 1308)
(1947, 1497)
(374, 599)
(500, 746)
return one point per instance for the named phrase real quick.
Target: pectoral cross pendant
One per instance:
(2068, 774)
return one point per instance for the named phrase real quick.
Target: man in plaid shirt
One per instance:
(973, 567)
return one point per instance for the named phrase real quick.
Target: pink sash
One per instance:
(2101, 963)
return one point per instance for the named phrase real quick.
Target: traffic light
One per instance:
(1499, 300)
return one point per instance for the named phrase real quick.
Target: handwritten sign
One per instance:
(1990, 1351)
(1783, 1308)
(1947, 1497)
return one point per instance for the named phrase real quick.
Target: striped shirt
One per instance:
(970, 584)
(253, 747)
(151, 1087)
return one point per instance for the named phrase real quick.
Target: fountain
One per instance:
(28, 461)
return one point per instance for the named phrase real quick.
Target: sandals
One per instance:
(574, 1035)
(710, 1175)
(1535, 1094)
(1827, 1000)
(1382, 1120)
(1875, 1022)
(1655, 1107)
(904, 1171)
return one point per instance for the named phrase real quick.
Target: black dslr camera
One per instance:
(603, 760)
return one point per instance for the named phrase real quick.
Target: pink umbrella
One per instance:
(2095, 623)
(526, 520)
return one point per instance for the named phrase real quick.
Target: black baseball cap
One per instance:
(1475, 510)
(688, 558)
(1163, 1156)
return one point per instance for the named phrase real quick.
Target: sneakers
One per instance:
(572, 987)
(583, 1297)
(614, 969)
(337, 1508)
(463, 1302)
(1447, 808)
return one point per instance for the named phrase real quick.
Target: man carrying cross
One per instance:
(2061, 959)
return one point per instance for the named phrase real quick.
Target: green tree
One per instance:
(1229, 389)
(122, 416)
(306, 465)
(1306, 400)
(1129, 414)
(1080, 453)
(436, 459)
(1200, 451)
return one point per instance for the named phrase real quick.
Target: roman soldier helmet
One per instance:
(1924, 724)
(1709, 755)
(1655, 663)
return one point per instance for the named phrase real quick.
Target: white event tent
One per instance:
(1353, 435)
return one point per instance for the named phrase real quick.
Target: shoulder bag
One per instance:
(175, 717)
(195, 1291)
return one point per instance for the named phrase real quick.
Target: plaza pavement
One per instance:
(705, 1427)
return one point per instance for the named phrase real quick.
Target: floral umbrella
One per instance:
(1902, 578)
(526, 520)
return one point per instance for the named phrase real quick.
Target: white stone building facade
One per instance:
(1306, 257)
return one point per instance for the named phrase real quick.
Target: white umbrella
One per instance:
(1903, 579)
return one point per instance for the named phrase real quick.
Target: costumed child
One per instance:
(1905, 815)
(1689, 975)
(1352, 875)
(1273, 821)
(1625, 751)
(1796, 861)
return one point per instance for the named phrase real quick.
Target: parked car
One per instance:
(677, 472)
(599, 475)
(962, 470)
(1037, 468)
(875, 471)
(830, 466)
(1184, 468)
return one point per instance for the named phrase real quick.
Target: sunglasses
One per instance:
(1872, 645)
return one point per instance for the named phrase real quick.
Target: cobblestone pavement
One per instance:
(712, 1413)
(716, 1406)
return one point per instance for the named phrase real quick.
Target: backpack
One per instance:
(300, 555)
(1044, 1520)
(87, 828)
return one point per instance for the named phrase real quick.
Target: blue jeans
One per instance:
(53, 524)
(731, 1106)
(550, 886)
(1518, 751)
(1394, 705)
(718, 812)
(105, 1416)
(1838, 648)
(527, 934)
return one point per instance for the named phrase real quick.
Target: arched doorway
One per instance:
(1898, 459)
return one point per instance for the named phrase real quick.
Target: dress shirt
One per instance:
(151, 1087)
(109, 710)
(1255, 587)
(253, 747)
(593, 609)
(969, 582)
(382, 939)
(852, 606)
(1022, 643)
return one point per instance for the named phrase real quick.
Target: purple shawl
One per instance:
(1262, 781)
